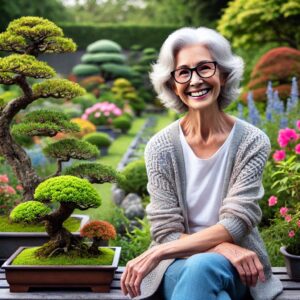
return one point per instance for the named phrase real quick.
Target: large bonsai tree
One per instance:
(25, 39)
(69, 192)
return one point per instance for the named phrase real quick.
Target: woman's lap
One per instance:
(204, 276)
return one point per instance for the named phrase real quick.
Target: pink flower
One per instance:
(117, 111)
(285, 135)
(297, 149)
(19, 187)
(288, 218)
(298, 124)
(10, 190)
(291, 233)
(107, 113)
(272, 201)
(298, 223)
(283, 211)
(97, 114)
(4, 178)
(84, 117)
(279, 155)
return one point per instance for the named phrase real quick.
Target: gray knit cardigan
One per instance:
(239, 213)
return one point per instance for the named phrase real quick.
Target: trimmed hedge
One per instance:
(125, 35)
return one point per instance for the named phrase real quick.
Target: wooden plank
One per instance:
(289, 295)
(276, 270)
(291, 285)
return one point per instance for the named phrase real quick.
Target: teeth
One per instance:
(200, 93)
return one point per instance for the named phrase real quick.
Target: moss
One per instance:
(29, 212)
(27, 257)
(72, 224)
(68, 189)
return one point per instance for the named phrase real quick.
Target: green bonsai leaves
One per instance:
(68, 189)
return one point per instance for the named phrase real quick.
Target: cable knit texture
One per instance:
(239, 214)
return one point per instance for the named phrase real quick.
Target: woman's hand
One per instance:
(136, 269)
(245, 261)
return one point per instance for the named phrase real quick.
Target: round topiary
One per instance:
(85, 70)
(29, 212)
(68, 189)
(278, 65)
(98, 139)
(100, 58)
(115, 70)
(104, 46)
(136, 178)
(123, 123)
(85, 101)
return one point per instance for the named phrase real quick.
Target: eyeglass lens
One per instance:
(204, 70)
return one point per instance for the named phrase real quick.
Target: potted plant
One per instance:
(66, 260)
(287, 179)
(101, 140)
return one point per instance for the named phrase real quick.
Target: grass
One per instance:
(27, 257)
(72, 224)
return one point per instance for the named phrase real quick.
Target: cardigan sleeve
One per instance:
(163, 211)
(240, 211)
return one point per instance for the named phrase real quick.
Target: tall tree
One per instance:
(252, 23)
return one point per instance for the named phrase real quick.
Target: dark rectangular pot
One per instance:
(11, 241)
(97, 278)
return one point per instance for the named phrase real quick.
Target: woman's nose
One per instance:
(195, 79)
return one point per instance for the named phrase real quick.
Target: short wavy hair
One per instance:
(230, 65)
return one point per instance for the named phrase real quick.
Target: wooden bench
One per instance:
(291, 290)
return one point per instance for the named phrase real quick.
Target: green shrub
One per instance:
(99, 58)
(85, 70)
(29, 212)
(136, 178)
(114, 70)
(122, 123)
(85, 101)
(104, 46)
(149, 51)
(98, 139)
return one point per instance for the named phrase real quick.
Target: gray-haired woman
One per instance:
(204, 173)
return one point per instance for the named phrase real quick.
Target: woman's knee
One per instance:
(204, 263)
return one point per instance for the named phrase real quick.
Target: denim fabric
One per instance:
(204, 276)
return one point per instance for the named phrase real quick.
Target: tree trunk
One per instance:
(19, 161)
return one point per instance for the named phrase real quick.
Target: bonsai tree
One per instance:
(98, 231)
(25, 39)
(69, 193)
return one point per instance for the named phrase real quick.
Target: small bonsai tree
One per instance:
(98, 231)
(69, 192)
(123, 123)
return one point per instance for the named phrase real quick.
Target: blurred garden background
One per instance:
(117, 41)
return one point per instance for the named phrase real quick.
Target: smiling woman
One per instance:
(204, 181)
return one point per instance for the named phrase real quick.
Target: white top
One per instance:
(205, 178)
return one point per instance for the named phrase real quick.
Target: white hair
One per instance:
(230, 65)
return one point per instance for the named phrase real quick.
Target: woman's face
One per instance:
(198, 92)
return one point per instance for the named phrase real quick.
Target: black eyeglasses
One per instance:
(204, 70)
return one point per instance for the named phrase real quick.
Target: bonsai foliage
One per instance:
(278, 65)
(99, 139)
(69, 193)
(25, 39)
(98, 231)
(123, 123)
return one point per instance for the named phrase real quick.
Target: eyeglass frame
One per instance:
(194, 69)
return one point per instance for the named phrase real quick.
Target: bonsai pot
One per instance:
(292, 263)
(11, 241)
(97, 278)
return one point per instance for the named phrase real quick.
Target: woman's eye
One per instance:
(183, 72)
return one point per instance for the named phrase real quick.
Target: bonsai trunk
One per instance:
(94, 249)
(19, 161)
(61, 240)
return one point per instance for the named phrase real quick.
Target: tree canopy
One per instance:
(249, 23)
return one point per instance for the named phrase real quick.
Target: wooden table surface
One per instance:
(291, 290)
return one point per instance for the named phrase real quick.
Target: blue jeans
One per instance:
(203, 276)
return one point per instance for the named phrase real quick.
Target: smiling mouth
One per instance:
(199, 93)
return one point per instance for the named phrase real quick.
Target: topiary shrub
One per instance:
(135, 178)
(85, 101)
(123, 123)
(278, 65)
(104, 46)
(100, 58)
(98, 231)
(99, 139)
(85, 70)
